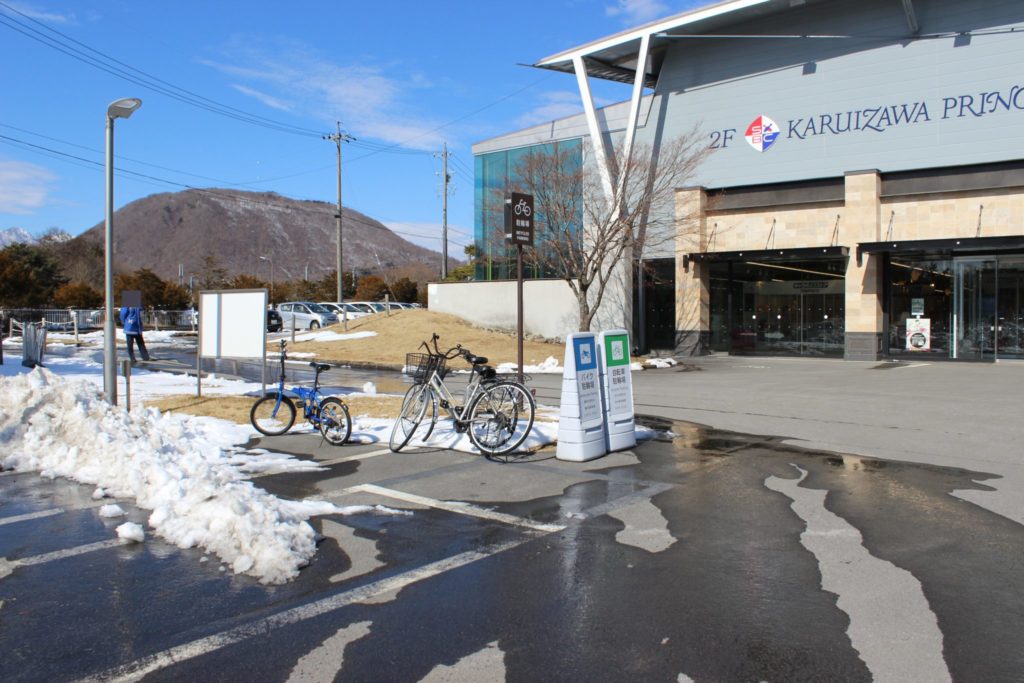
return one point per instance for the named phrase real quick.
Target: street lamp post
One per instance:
(120, 109)
(270, 259)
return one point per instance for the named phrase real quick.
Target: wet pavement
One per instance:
(702, 555)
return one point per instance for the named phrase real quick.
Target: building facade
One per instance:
(864, 196)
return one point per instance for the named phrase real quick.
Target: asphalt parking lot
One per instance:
(705, 554)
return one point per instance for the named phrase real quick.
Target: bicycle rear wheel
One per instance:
(501, 417)
(272, 417)
(414, 406)
(335, 422)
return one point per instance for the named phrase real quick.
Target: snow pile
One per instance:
(327, 335)
(167, 464)
(111, 511)
(660, 363)
(130, 531)
(549, 366)
(370, 389)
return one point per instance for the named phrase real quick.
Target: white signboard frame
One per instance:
(617, 382)
(232, 324)
(581, 426)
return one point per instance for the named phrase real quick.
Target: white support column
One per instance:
(634, 114)
(596, 138)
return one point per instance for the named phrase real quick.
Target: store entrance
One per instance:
(786, 308)
(988, 308)
(963, 308)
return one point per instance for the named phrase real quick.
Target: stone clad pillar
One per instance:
(693, 296)
(862, 222)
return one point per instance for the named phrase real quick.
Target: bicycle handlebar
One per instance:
(454, 351)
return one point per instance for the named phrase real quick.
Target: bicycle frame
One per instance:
(309, 399)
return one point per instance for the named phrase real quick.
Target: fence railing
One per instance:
(65, 319)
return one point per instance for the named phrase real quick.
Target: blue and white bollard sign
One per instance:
(617, 381)
(581, 428)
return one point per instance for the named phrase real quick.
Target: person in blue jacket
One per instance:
(131, 318)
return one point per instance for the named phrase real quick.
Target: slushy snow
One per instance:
(130, 531)
(167, 463)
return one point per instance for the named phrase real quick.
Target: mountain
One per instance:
(15, 235)
(237, 228)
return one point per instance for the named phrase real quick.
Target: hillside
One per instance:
(163, 230)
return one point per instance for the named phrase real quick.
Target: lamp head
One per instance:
(123, 108)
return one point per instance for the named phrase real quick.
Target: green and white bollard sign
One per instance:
(617, 383)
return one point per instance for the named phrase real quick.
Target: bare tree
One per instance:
(586, 233)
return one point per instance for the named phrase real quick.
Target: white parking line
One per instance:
(147, 665)
(53, 511)
(7, 566)
(449, 506)
(31, 515)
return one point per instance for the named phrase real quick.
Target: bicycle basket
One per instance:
(420, 365)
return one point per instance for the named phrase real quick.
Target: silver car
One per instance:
(337, 309)
(305, 314)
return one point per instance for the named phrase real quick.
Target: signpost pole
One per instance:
(519, 307)
(519, 231)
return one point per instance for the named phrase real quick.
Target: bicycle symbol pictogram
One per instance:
(522, 208)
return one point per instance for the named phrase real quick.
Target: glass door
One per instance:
(974, 310)
(1010, 309)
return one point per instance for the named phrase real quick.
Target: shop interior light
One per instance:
(799, 270)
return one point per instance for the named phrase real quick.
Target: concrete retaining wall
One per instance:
(549, 308)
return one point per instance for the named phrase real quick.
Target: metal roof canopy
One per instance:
(775, 255)
(615, 58)
(950, 244)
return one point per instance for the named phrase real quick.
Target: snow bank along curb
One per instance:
(66, 429)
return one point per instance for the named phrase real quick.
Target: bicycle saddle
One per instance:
(476, 360)
(320, 367)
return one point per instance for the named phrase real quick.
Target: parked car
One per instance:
(274, 323)
(337, 309)
(368, 306)
(305, 314)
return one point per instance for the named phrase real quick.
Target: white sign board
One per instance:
(233, 323)
(919, 334)
(581, 426)
(617, 382)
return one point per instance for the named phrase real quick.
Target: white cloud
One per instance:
(637, 11)
(23, 186)
(552, 106)
(368, 100)
(266, 99)
(42, 15)
(556, 105)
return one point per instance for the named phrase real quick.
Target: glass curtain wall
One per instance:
(496, 174)
(786, 308)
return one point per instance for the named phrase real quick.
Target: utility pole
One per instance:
(338, 137)
(444, 211)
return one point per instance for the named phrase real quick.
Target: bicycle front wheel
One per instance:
(501, 417)
(273, 415)
(335, 422)
(414, 407)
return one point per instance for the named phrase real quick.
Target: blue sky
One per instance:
(402, 77)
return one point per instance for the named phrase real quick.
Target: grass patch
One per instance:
(402, 331)
(236, 408)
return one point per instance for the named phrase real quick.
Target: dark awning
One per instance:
(771, 255)
(952, 244)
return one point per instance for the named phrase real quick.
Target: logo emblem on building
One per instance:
(762, 133)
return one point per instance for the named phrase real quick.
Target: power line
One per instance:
(104, 62)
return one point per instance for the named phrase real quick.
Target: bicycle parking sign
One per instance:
(519, 219)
